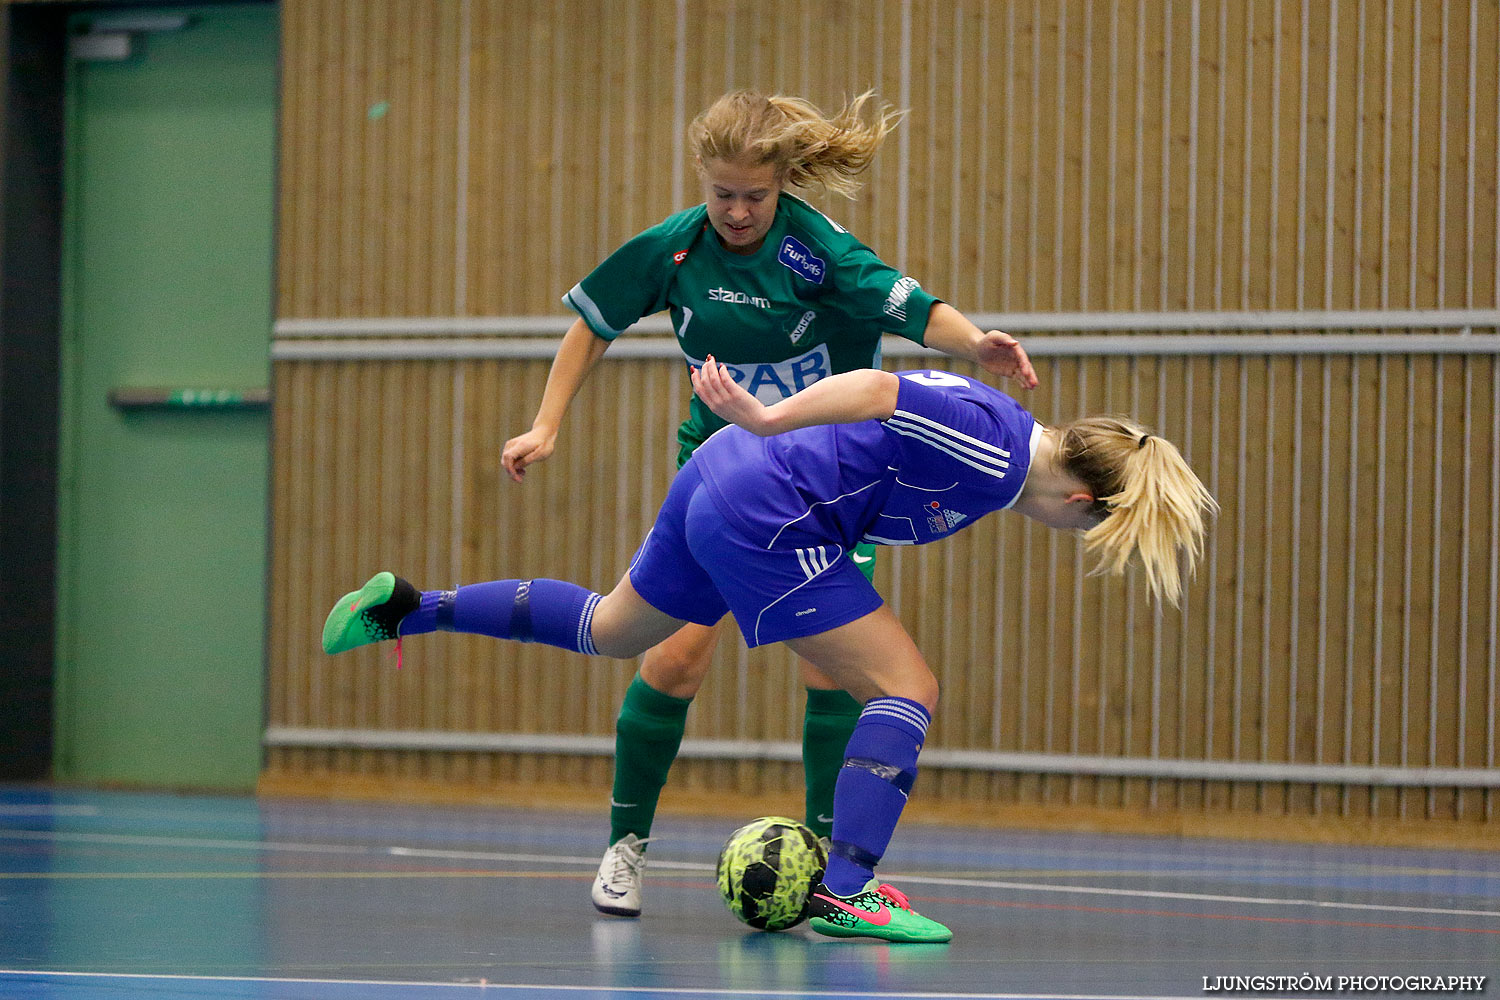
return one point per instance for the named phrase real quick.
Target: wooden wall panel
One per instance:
(369, 151)
(475, 158)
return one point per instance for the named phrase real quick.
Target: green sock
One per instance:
(831, 716)
(647, 735)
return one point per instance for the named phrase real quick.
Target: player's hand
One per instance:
(1001, 354)
(524, 449)
(716, 387)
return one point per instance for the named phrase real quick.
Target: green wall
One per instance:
(167, 278)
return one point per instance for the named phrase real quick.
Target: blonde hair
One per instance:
(807, 147)
(1149, 501)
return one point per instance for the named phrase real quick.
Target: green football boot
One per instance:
(369, 614)
(876, 911)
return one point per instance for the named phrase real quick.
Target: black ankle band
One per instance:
(853, 854)
(520, 613)
(445, 611)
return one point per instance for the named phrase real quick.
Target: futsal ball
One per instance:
(768, 870)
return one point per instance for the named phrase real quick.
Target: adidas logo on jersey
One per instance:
(941, 519)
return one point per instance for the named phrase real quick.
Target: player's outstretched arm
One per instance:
(579, 351)
(848, 398)
(998, 353)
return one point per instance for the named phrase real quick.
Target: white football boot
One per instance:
(617, 889)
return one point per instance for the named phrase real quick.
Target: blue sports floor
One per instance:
(133, 896)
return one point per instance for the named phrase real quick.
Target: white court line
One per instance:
(620, 990)
(590, 862)
(43, 809)
(424, 852)
(141, 840)
(1201, 897)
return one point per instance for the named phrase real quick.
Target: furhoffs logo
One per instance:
(801, 260)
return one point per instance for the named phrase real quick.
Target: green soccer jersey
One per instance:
(811, 302)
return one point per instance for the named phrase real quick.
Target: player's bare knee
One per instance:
(922, 689)
(677, 668)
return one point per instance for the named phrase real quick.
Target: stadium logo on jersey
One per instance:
(895, 303)
(738, 298)
(798, 331)
(801, 260)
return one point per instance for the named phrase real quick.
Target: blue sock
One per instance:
(880, 766)
(548, 611)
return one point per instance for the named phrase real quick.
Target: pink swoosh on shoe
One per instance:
(878, 918)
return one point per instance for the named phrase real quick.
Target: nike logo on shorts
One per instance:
(861, 559)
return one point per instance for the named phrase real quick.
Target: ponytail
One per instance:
(1150, 502)
(806, 147)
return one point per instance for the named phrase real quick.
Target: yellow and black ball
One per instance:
(768, 870)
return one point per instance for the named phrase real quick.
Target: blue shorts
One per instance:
(696, 564)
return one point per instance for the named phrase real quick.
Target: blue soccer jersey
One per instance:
(953, 451)
(758, 526)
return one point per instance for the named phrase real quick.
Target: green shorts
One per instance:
(864, 557)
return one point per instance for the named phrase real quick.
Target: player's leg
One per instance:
(829, 721)
(651, 722)
(678, 666)
(648, 732)
(874, 659)
(553, 612)
(663, 590)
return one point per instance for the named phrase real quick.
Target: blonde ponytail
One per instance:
(1153, 506)
(807, 148)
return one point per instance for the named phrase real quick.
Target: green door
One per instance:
(167, 278)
